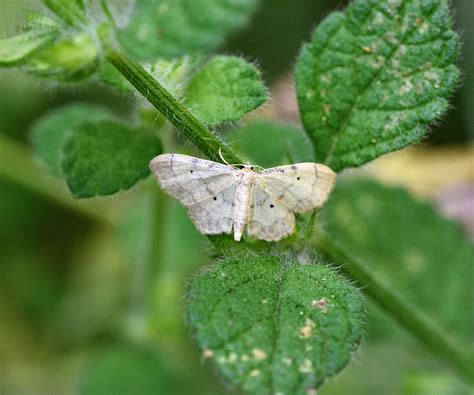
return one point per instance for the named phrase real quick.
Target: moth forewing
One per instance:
(191, 180)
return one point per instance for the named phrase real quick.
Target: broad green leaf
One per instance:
(51, 131)
(225, 90)
(407, 247)
(124, 370)
(272, 326)
(16, 50)
(171, 28)
(375, 76)
(73, 12)
(101, 158)
(271, 144)
(68, 59)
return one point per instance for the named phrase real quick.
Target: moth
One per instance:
(227, 198)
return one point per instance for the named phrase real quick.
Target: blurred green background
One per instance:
(80, 299)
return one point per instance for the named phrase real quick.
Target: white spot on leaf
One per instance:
(259, 354)
(307, 329)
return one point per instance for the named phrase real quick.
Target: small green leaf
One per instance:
(171, 28)
(109, 75)
(407, 247)
(73, 12)
(123, 370)
(176, 74)
(68, 59)
(36, 21)
(225, 90)
(101, 158)
(16, 50)
(51, 131)
(374, 77)
(270, 144)
(275, 327)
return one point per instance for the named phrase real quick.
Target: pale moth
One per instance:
(223, 198)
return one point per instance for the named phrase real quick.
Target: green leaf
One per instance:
(275, 327)
(68, 59)
(123, 370)
(270, 144)
(16, 50)
(408, 248)
(101, 158)
(225, 90)
(374, 77)
(176, 74)
(37, 21)
(73, 12)
(51, 131)
(109, 75)
(171, 28)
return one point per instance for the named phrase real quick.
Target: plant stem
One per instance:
(421, 326)
(171, 108)
(17, 165)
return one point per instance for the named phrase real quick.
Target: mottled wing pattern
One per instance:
(191, 180)
(269, 219)
(300, 187)
(206, 188)
(215, 215)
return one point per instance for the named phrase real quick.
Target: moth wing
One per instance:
(215, 215)
(300, 187)
(269, 219)
(191, 180)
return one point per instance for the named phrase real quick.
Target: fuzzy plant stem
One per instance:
(439, 343)
(171, 108)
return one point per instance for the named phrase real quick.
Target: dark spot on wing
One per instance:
(214, 198)
(191, 171)
(298, 178)
(271, 206)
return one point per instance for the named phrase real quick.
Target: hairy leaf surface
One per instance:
(274, 327)
(375, 76)
(225, 90)
(101, 158)
(170, 28)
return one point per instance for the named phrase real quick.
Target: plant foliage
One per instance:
(370, 81)
(375, 76)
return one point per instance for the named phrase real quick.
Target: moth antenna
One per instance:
(222, 157)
